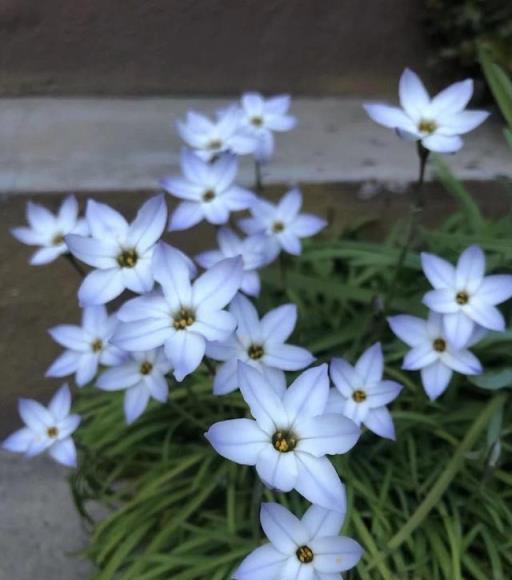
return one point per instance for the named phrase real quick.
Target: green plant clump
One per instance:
(458, 29)
(436, 504)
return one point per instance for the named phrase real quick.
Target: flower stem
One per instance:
(414, 219)
(75, 265)
(258, 177)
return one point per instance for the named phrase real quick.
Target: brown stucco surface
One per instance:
(32, 299)
(207, 46)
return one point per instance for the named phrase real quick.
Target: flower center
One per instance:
(215, 144)
(439, 344)
(208, 195)
(257, 121)
(183, 318)
(462, 298)
(426, 126)
(284, 441)
(305, 555)
(277, 227)
(255, 351)
(145, 368)
(52, 432)
(359, 396)
(97, 345)
(127, 258)
(58, 239)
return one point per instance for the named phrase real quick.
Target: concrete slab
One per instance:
(40, 531)
(65, 144)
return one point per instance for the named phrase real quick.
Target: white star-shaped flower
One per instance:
(264, 116)
(88, 346)
(208, 191)
(186, 315)
(432, 353)
(306, 549)
(252, 251)
(210, 138)
(49, 231)
(282, 224)
(361, 394)
(142, 376)
(47, 429)
(260, 344)
(120, 252)
(289, 436)
(464, 295)
(437, 122)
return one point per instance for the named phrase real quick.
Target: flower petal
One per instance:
(387, 116)
(409, 329)
(335, 554)
(226, 378)
(379, 421)
(239, 440)
(458, 328)
(441, 300)
(149, 224)
(495, 289)
(485, 315)
(135, 401)
(453, 99)
(307, 395)
(185, 350)
(186, 215)
(265, 405)
(321, 522)
(19, 441)
(328, 434)
(217, 286)
(278, 324)
(101, 286)
(65, 364)
(34, 415)
(283, 529)
(142, 334)
(264, 562)
(470, 268)
(97, 253)
(214, 325)
(440, 273)
(435, 379)
(277, 470)
(172, 271)
(121, 377)
(344, 376)
(64, 452)
(60, 404)
(248, 323)
(383, 393)
(287, 357)
(70, 336)
(319, 483)
(442, 143)
(413, 95)
(370, 365)
(419, 356)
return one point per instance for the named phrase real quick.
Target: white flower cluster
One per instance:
(462, 311)
(181, 315)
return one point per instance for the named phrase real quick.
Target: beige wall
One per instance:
(207, 46)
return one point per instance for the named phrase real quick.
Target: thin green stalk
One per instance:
(415, 212)
(258, 177)
(448, 474)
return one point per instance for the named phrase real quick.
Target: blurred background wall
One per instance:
(131, 47)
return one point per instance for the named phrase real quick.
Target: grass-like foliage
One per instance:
(436, 504)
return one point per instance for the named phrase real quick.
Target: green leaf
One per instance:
(501, 85)
(493, 381)
(459, 192)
